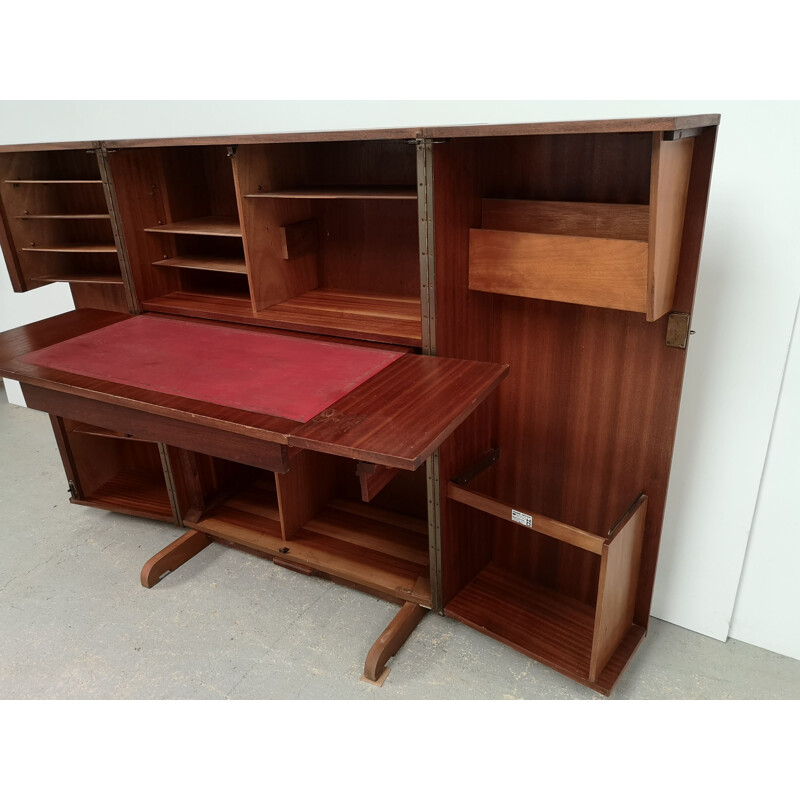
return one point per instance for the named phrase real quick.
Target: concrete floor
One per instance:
(76, 623)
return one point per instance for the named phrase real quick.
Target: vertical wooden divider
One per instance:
(304, 490)
(262, 168)
(616, 592)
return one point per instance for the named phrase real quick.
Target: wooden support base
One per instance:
(390, 641)
(172, 556)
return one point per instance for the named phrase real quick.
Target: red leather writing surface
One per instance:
(270, 374)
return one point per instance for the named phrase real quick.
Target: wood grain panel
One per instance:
(616, 592)
(672, 162)
(598, 220)
(611, 273)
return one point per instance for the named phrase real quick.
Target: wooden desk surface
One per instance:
(396, 418)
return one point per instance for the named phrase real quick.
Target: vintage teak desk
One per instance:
(440, 365)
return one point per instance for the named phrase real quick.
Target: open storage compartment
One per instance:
(56, 225)
(517, 597)
(596, 243)
(114, 471)
(180, 216)
(332, 237)
(311, 519)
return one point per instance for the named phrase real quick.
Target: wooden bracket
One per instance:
(373, 478)
(172, 556)
(298, 239)
(390, 641)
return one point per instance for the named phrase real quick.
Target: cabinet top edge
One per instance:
(638, 125)
(40, 146)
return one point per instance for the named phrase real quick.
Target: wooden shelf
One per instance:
(62, 216)
(71, 248)
(208, 263)
(343, 193)
(393, 319)
(544, 625)
(132, 492)
(202, 226)
(377, 550)
(78, 277)
(60, 181)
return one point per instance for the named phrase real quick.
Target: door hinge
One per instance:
(678, 331)
(231, 149)
(73, 491)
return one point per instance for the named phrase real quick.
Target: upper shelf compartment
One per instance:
(609, 254)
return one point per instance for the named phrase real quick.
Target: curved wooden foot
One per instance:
(172, 556)
(390, 641)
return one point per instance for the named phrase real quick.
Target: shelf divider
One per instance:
(202, 226)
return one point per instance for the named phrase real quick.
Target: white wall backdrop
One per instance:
(747, 296)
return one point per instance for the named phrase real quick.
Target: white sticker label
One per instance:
(521, 519)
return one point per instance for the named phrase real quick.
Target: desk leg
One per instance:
(390, 641)
(172, 556)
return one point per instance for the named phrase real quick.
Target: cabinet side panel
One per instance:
(464, 329)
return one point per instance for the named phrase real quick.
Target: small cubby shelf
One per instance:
(611, 255)
(591, 643)
(113, 471)
(58, 222)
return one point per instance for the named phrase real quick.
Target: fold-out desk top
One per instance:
(375, 404)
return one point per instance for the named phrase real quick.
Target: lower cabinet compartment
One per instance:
(112, 471)
(311, 519)
(523, 598)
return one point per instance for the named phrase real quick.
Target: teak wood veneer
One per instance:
(508, 468)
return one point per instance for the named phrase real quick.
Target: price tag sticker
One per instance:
(521, 518)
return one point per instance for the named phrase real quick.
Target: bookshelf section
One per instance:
(57, 223)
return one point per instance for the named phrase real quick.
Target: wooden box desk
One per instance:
(439, 365)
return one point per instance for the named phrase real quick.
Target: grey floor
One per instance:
(76, 623)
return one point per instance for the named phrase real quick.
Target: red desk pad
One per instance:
(270, 374)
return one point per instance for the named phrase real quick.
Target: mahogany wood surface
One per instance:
(344, 193)
(392, 639)
(326, 546)
(549, 527)
(598, 220)
(610, 273)
(173, 556)
(401, 415)
(212, 263)
(202, 226)
(372, 478)
(669, 186)
(616, 591)
(77, 277)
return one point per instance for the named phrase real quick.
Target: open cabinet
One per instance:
(442, 366)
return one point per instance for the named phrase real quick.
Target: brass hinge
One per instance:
(678, 331)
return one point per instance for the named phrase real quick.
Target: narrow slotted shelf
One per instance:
(202, 226)
(208, 263)
(343, 193)
(59, 181)
(62, 216)
(78, 277)
(71, 247)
